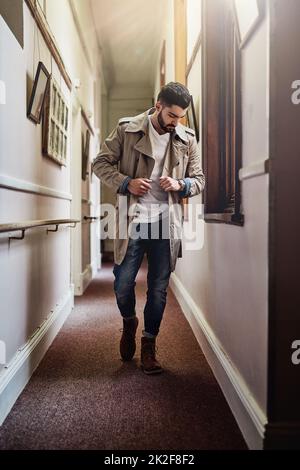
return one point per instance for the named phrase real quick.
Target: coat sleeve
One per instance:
(194, 176)
(106, 164)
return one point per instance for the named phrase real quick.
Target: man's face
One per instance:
(168, 117)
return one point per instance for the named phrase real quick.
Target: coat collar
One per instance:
(141, 123)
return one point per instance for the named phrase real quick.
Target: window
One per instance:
(221, 125)
(55, 124)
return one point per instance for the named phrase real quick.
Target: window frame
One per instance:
(242, 41)
(221, 123)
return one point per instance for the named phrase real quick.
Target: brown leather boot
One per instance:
(149, 363)
(127, 343)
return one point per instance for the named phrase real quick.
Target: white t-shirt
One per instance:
(155, 201)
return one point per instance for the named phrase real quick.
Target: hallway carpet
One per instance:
(82, 396)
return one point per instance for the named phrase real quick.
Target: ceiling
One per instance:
(130, 35)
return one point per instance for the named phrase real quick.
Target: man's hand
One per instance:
(169, 184)
(139, 186)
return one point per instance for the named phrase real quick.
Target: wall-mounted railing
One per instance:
(23, 226)
(90, 218)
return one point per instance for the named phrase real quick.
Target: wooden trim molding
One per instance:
(180, 50)
(49, 39)
(162, 65)
(15, 184)
(194, 54)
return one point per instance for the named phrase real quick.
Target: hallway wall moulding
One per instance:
(39, 18)
(49, 39)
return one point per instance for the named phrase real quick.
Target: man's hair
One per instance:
(174, 93)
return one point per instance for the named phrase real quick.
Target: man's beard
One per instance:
(162, 124)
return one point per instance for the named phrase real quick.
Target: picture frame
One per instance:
(55, 135)
(247, 16)
(85, 154)
(38, 94)
(192, 119)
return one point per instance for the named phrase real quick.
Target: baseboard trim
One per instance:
(16, 374)
(249, 416)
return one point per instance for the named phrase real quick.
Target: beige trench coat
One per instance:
(127, 152)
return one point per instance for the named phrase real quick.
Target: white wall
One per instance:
(227, 279)
(230, 272)
(35, 272)
(125, 101)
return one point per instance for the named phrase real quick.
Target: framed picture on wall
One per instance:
(38, 94)
(192, 119)
(247, 15)
(55, 125)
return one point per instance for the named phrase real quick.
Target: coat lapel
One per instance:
(176, 150)
(144, 146)
(140, 124)
(177, 147)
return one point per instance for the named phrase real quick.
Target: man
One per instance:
(151, 162)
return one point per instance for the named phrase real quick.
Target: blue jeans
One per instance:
(158, 255)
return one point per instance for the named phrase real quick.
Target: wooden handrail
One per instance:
(15, 226)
